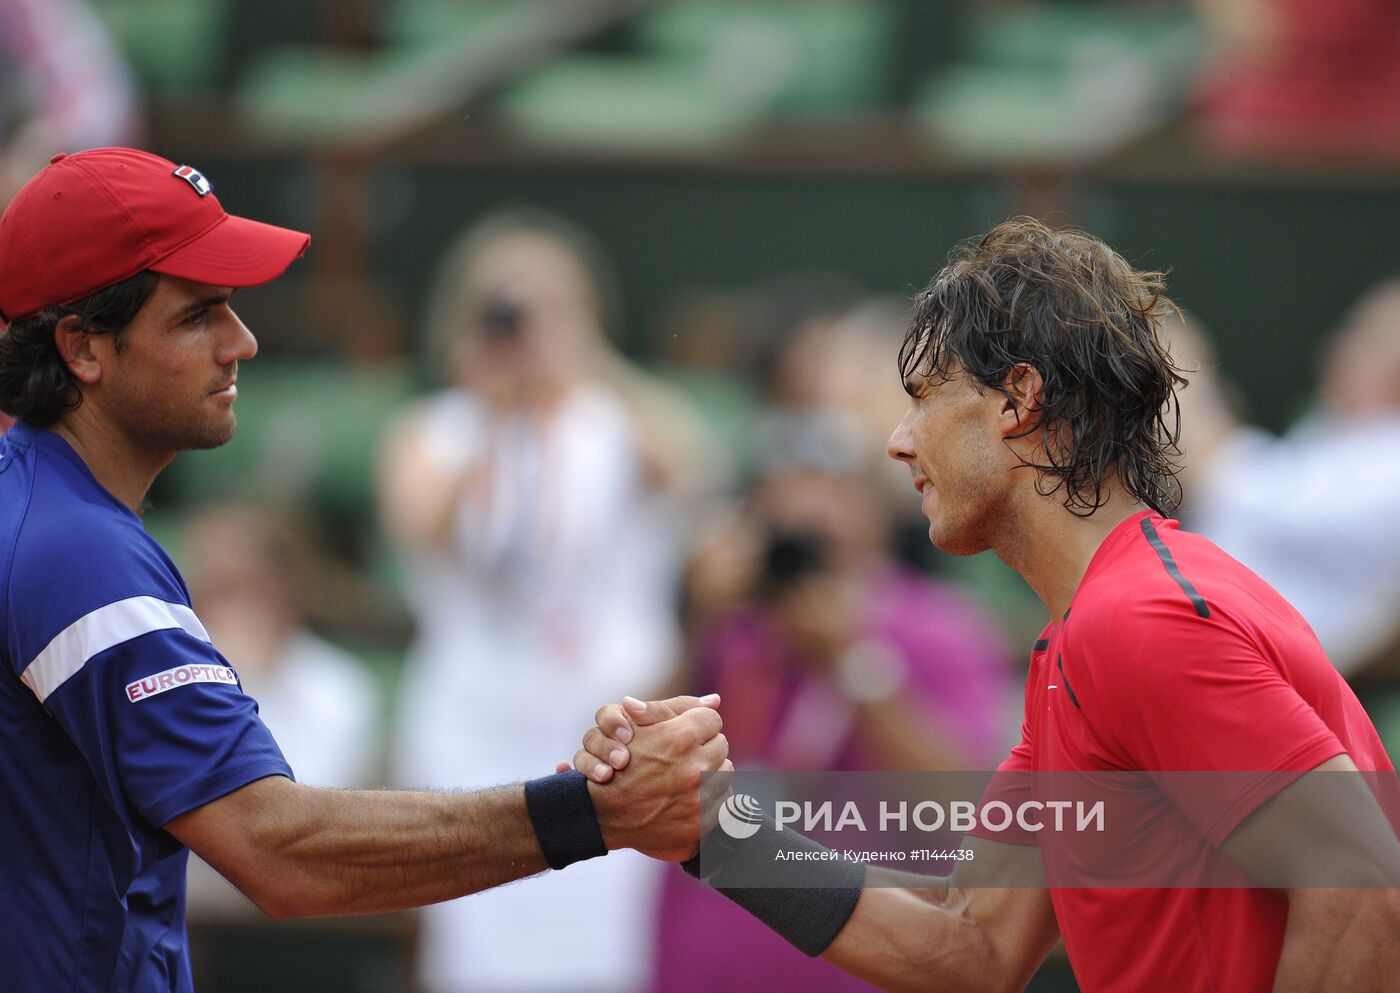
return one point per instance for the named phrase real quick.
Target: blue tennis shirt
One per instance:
(116, 716)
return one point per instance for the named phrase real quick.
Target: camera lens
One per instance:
(501, 319)
(790, 557)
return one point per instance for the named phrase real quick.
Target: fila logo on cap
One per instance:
(196, 179)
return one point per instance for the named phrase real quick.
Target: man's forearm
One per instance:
(900, 939)
(958, 941)
(311, 852)
(297, 851)
(970, 933)
(1340, 940)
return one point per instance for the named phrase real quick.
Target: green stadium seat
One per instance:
(323, 95)
(424, 23)
(702, 74)
(628, 102)
(174, 46)
(310, 92)
(813, 54)
(1059, 82)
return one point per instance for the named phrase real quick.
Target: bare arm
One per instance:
(1324, 832)
(299, 851)
(1340, 940)
(957, 940)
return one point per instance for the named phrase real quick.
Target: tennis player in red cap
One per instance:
(124, 734)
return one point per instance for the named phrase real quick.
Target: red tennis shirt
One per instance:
(1175, 657)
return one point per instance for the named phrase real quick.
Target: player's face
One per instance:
(950, 441)
(171, 386)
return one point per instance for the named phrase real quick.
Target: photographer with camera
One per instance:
(528, 521)
(830, 655)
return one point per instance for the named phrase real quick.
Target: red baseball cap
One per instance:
(95, 218)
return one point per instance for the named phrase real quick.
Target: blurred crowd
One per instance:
(565, 526)
(66, 86)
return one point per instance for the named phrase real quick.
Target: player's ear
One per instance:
(75, 348)
(1021, 402)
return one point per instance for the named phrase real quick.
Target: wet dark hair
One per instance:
(35, 383)
(1067, 305)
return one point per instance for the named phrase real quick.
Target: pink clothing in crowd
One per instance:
(779, 712)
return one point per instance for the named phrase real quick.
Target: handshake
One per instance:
(649, 771)
(648, 766)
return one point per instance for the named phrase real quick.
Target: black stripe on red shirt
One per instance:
(1169, 563)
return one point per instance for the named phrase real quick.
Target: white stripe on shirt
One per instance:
(104, 628)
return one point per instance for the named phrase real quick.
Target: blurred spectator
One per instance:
(862, 379)
(1316, 78)
(830, 655)
(863, 375)
(66, 86)
(249, 572)
(823, 350)
(800, 611)
(531, 513)
(1309, 511)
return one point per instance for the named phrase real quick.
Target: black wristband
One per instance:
(751, 874)
(565, 822)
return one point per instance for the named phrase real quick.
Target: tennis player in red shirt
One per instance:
(1041, 426)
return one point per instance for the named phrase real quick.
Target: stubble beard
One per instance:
(159, 426)
(961, 537)
(971, 511)
(199, 436)
(213, 434)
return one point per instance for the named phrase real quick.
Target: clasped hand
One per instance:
(650, 773)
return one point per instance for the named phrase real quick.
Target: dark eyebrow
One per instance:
(912, 384)
(203, 303)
